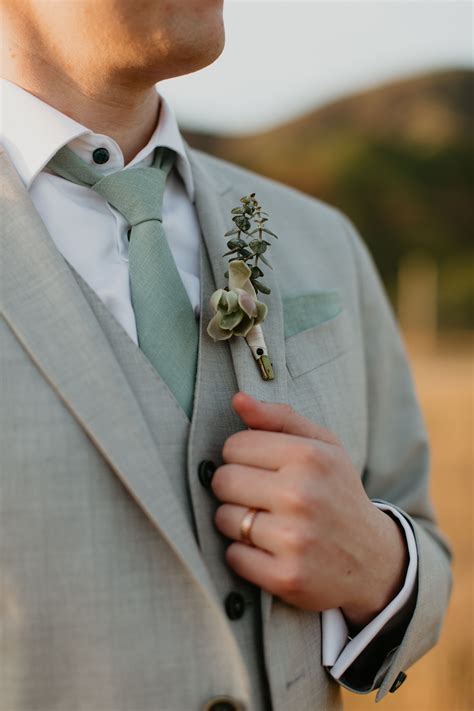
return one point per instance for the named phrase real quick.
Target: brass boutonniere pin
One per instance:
(237, 310)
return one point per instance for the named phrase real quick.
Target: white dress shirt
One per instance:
(92, 236)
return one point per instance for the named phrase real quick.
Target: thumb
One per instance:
(278, 417)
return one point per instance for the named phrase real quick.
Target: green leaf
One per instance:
(265, 261)
(237, 211)
(256, 272)
(244, 326)
(269, 232)
(230, 321)
(232, 251)
(214, 329)
(245, 254)
(243, 223)
(236, 243)
(258, 246)
(261, 287)
(262, 311)
(232, 232)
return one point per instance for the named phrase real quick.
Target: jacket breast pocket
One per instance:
(326, 380)
(318, 345)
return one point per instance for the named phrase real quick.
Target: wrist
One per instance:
(382, 577)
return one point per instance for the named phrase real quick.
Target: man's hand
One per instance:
(318, 540)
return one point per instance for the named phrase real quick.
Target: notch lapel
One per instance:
(49, 315)
(213, 204)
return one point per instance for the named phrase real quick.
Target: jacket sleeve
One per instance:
(397, 473)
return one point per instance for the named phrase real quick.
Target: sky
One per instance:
(282, 59)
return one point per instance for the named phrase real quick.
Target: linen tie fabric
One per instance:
(166, 326)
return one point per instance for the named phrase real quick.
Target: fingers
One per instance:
(272, 450)
(276, 417)
(245, 485)
(255, 565)
(229, 517)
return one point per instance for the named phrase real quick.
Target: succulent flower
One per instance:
(237, 309)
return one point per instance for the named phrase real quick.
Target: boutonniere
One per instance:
(237, 310)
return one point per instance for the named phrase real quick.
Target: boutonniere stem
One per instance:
(237, 310)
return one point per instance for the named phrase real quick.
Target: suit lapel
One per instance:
(213, 204)
(51, 318)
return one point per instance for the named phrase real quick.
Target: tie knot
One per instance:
(137, 193)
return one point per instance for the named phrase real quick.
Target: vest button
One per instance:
(206, 471)
(100, 155)
(223, 703)
(234, 605)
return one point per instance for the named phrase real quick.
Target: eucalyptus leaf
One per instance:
(265, 261)
(245, 253)
(269, 232)
(236, 243)
(258, 246)
(234, 231)
(242, 222)
(261, 287)
(232, 251)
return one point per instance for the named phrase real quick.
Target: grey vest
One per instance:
(183, 445)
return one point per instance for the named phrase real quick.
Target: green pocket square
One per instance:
(308, 310)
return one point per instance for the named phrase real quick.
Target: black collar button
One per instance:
(100, 156)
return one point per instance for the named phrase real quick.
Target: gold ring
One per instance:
(246, 526)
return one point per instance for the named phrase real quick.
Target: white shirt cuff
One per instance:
(338, 650)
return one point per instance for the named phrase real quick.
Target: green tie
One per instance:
(166, 325)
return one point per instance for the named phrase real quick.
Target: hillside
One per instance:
(398, 160)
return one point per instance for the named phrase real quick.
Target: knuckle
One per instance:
(328, 459)
(295, 499)
(237, 441)
(292, 579)
(295, 539)
(299, 498)
(308, 454)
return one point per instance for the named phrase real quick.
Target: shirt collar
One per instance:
(33, 131)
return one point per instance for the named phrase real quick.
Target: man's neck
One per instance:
(106, 105)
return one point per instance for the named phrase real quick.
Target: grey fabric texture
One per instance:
(112, 579)
(172, 441)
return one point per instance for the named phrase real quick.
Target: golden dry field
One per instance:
(444, 379)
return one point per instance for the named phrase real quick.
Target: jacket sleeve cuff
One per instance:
(339, 651)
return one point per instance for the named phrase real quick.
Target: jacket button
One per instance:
(234, 605)
(100, 155)
(206, 471)
(223, 703)
(398, 682)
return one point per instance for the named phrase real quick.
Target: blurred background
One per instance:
(369, 106)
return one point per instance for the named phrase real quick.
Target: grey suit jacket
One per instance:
(110, 599)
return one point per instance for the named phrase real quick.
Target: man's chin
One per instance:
(196, 58)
